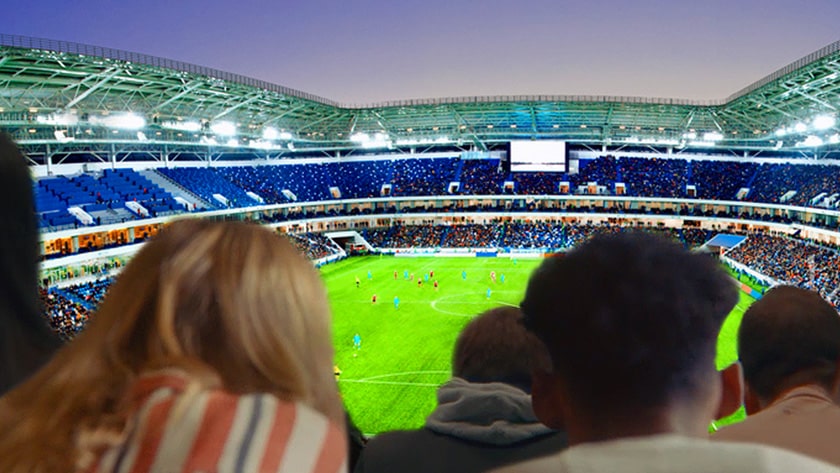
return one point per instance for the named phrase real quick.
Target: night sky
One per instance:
(374, 50)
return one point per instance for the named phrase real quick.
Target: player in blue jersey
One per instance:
(396, 302)
(489, 292)
(357, 343)
(464, 275)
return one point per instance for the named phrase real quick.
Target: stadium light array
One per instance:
(823, 122)
(121, 121)
(702, 144)
(223, 128)
(270, 133)
(811, 141)
(712, 136)
(191, 126)
(378, 140)
(800, 127)
(61, 119)
(142, 136)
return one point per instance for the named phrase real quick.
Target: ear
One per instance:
(547, 399)
(732, 390)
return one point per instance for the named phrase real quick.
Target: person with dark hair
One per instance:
(631, 323)
(26, 342)
(484, 418)
(789, 347)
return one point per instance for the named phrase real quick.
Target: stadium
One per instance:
(439, 191)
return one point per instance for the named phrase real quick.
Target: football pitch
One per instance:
(405, 352)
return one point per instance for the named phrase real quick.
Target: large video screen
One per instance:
(538, 155)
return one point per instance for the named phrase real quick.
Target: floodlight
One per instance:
(285, 135)
(702, 144)
(823, 122)
(359, 138)
(812, 140)
(62, 119)
(233, 142)
(291, 146)
(270, 133)
(834, 139)
(712, 136)
(191, 126)
(779, 144)
(223, 128)
(799, 127)
(141, 136)
(121, 121)
(690, 135)
(781, 131)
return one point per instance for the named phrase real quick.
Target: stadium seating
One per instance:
(100, 196)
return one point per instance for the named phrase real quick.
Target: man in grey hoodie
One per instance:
(484, 417)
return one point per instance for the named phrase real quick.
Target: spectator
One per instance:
(26, 342)
(789, 346)
(484, 417)
(211, 352)
(631, 323)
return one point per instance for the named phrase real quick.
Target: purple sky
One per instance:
(371, 50)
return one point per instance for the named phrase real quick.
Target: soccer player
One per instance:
(464, 275)
(396, 302)
(357, 342)
(373, 299)
(411, 278)
(489, 292)
(426, 277)
(395, 275)
(370, 276)
(436, 285)
(405, 274)
(432, 274)
(419, 282)
(357, 282)
(502, 278)
(493, 276)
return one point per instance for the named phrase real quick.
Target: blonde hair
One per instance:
(231, 304)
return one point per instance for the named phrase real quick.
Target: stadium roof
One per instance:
(73, 95)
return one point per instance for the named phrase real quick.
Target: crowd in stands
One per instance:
(472, 235)
(792, 261)
(654, 177)
(720, 180)
(557, 236)
(481, 177)
(807, 185)
(68, 308)
(314, 245)
(421, 176)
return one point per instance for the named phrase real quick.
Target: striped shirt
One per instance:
(173, 430)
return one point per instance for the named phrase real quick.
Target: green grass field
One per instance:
(405, 354)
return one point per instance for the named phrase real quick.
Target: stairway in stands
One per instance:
(176, 189)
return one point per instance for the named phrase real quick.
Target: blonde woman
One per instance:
(211, 352)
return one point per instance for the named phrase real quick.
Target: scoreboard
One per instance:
(538, 156)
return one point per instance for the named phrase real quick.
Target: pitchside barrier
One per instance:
(467, 252)
(762, 278)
